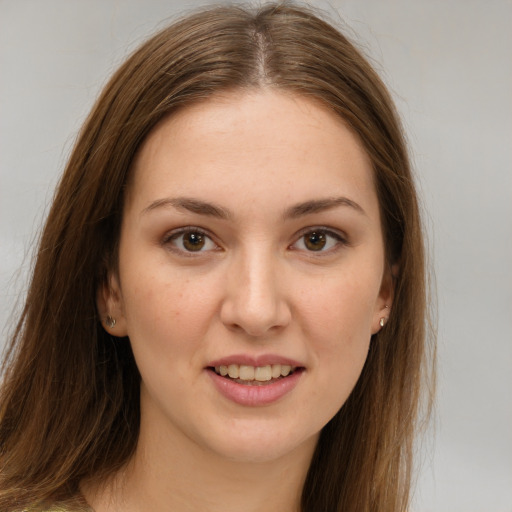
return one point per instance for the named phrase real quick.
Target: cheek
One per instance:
(342, 308)
(167, 322)
(339, 328)
(168, 310)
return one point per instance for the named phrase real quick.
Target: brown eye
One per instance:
(320, 240)
(193, 241)
(315, 241)
(190, 241)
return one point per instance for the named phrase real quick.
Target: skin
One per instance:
(254, 288)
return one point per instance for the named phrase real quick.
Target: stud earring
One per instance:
(110, 321)
(383, 320)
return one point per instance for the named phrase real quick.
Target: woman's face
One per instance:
(251, 243)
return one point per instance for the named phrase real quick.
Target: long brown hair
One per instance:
(69, 403)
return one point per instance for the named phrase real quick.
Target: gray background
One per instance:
(448, 64)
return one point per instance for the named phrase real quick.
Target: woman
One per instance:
(228, 304)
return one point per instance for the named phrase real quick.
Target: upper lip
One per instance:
(250, 360)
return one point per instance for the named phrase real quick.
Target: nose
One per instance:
(254, 301)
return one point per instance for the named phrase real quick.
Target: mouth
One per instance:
(255, 375)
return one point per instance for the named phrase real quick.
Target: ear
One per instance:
(110, 307)
(384, 301)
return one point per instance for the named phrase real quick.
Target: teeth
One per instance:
(263, 373)
(258, 373)
(233, 371)
(285, 369)
(246, 372)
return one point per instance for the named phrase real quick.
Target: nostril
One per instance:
(253, 300)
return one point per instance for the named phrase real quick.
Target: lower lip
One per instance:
(255, 395)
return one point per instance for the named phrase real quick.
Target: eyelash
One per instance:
(175, 235)
(339, 240)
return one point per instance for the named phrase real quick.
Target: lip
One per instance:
(255, 395)
(261, 360)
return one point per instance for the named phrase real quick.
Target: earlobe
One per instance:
(385, 299)
(110, 307)
(384, 319)
(380, 318)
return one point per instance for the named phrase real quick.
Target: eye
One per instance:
(191, 240)
(318, 240)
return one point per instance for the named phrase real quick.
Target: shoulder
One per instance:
(75, 507)
(72, 508)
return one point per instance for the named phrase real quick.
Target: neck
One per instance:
(172, 473)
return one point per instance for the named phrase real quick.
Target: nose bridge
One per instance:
(254, 299)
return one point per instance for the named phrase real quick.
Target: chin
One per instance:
(262, 444)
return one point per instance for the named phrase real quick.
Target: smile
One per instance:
(254, 375)
(255, 386)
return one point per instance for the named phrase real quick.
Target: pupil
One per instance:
(315, 241)
(193, 241)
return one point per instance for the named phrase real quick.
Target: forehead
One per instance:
(253, 146)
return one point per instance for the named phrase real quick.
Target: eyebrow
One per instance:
(320, 205)
(212, 210)
(190, 204)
